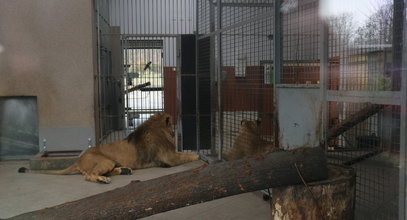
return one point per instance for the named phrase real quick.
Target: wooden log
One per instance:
(206, 183)
(138, 87)
(353, 120)
(331, 199)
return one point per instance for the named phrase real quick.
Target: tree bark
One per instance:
(137, 87)
(206, 183)
(330, 199)
(353, 120)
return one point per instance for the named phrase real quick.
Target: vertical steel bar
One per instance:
(211, 21)
(132, 16)
(164, 17)
(154, 15)
(99, 134)
(126, 109)
(397, 34)
(128, 17)
(277, 30)
(139, 26)
(180, 10)
(192, 26)
(278, 57)
(219, 79)
(176, 27)
(211, 17)
(179, 134)
(197, 112)
(403, 123)
(323, 74)
(117, 14)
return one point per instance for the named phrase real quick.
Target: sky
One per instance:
(360, 9)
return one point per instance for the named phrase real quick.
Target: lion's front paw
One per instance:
(104, 179)
(126, 171)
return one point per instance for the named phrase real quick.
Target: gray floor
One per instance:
(20, 193)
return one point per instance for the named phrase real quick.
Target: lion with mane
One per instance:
(150, 144)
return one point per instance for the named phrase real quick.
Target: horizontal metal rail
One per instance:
(374, 97)
(239, 24)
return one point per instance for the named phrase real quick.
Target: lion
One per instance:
(248, 142)
(150, 144)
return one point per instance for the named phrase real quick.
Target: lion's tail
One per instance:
(68, 170)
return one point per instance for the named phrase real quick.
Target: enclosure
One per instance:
(314, 73)
(329, 73)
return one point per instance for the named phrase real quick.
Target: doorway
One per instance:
(144, 80)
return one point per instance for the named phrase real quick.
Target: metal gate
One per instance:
(138, 64)
(144, 79)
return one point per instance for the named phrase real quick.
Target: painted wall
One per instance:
(47, 51)
(153, 16)
(299, 116)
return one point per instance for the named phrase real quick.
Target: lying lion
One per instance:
(149, 145)
(248, 142)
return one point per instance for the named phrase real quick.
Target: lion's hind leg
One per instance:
(95, 171)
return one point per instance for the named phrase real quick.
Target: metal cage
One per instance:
(312, 77)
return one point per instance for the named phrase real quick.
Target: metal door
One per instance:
(143, 79)
(18, 127)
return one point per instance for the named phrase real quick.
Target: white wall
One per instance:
(153, 16)
(47, 51)
(299, 116)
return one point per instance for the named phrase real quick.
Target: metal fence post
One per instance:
(219, 79)
(197, 112)
(179, 135)
(278, 62)
(403, 123)
(324, 71)
(277, 41)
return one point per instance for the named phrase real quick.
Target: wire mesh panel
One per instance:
(368, 141)
(241, 66)
(247, 90)
(138, 66)
(109, 77)
(363, 113)
(300, 43)
(206, 13)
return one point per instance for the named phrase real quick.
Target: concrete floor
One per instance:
(24, 192)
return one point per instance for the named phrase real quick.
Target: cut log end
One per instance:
(330, 199)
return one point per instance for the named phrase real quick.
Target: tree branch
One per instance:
(206, 183)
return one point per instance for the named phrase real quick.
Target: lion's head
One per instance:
(158, 123)
(247, 141)
(249, 127)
